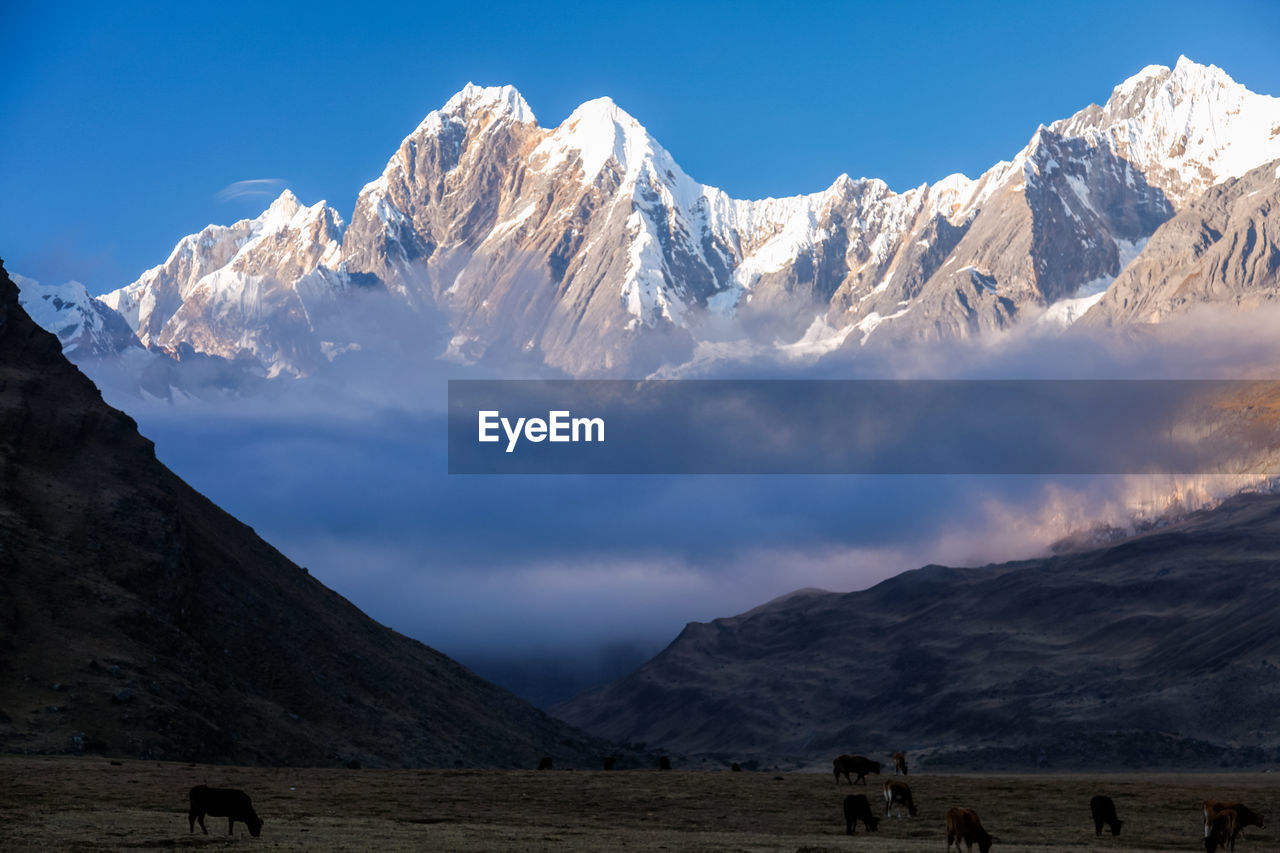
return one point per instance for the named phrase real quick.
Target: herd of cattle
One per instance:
(1223, 822)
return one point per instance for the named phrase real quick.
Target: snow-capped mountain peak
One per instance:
(600, 131)
(316, 231)
(1150, 72)
(278, 214)
(85, 326)
(504, 101)
(1187, 128)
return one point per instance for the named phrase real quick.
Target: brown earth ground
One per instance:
(54, 804)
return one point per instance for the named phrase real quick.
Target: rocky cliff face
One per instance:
(1223, 249)
(138, 619)
(587, 249)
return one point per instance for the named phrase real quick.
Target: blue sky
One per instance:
(123, 121)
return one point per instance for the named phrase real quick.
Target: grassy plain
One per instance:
(55, 804)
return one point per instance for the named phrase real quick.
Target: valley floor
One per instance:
(90, 804)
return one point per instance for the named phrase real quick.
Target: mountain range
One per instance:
(586, 250)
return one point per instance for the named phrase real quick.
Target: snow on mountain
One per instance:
(87, 327)
(585, 247)
(1185, 128)
(596, 132)
(244, 289)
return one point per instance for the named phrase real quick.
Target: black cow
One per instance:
(858, 808)
(223, 802)
(964, 825)
(1104, 811)
(858, 765)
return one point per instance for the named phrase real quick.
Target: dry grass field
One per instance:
(55, 804)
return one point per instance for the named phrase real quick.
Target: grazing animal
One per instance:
(1104, 811)
(858, 808)
(858, 765)
(545, 763)
(900, 763)
(964, 825)
(223, 802)
(1223, 831)
(736, 767)
(1245, 816)
(898, 794)
(664, 763)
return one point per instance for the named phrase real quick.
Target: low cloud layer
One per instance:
(553, 583)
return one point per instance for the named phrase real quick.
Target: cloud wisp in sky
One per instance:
(265, 187)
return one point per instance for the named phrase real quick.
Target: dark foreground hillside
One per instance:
(138, 619)
(1162, 650)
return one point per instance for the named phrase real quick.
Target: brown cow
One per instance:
(1223, 832)
(1103, 810)
(964, 825)
(900, 763)
(899, 794)
(230, 803)
(1245, 816)
(859, 765)
(858, 808)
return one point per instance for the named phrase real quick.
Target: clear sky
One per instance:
(123, 121)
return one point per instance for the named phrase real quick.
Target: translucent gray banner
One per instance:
(1050, 427)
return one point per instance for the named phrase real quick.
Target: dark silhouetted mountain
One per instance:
(139, 619)
(1160, 649)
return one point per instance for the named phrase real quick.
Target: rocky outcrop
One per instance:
(1223, 250)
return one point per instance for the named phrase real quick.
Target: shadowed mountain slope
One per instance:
(1161, 649)
(139, 619)
(1221, 250)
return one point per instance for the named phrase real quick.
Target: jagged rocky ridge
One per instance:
(138, 619)
(586, 248)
